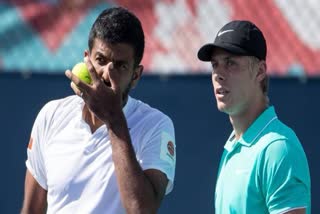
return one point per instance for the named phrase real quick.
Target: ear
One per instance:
(137, 73)
(262, 71)
(86, 53)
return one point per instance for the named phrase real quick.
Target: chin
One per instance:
(225, 108)
(222, 107)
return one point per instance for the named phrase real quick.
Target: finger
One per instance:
(113, 76)
(92, 70)
(80, 84)
(76, 89)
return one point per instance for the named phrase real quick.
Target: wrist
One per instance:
(115, 119)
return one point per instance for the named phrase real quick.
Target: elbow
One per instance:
(30, 211)
(141, 207)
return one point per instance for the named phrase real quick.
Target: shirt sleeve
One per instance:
(159, 150)
(285, 177)
(35, 158)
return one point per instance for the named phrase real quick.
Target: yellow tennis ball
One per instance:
(82, 72)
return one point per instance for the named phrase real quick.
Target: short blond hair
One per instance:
(253, 62)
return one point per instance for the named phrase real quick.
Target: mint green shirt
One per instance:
(265, 171)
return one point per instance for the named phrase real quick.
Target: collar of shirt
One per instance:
(127, 107)
(254, 130)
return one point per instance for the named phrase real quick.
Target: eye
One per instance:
(230, 62)
(214, 65)
(121, 66)
(101, 60)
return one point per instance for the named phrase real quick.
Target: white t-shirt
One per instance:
(76, 167)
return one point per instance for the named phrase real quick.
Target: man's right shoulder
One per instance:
(60, 107)
(62, 103)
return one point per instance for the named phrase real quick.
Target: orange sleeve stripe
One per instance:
(30, 143)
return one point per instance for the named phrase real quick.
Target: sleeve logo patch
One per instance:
(168, 148)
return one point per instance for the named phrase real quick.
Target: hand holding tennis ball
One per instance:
(82, 72)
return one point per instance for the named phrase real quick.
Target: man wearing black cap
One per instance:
(258, 171)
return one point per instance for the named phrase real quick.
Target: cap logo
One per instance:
(223, 32)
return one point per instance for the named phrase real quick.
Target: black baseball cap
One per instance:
(238, 37)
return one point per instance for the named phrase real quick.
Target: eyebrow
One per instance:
(224, 57)
(221, 58)
(120, 61)
(101, 54)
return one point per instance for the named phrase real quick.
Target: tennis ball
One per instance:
(82, 72)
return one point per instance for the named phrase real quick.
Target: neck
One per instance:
(90, 118)
(243, 120)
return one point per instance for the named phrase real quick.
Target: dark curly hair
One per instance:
(118, 25)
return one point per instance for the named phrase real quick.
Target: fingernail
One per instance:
(111, 66)
(68, 73)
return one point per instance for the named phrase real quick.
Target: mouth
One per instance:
(221, 91)
(107, 83)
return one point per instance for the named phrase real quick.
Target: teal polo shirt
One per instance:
(265, 171)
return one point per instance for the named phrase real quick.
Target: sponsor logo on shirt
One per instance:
(167, 148)
(170, 147)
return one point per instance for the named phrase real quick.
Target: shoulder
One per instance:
(148, 115)
(278, 136)
(148, 124)
(67, 102)
(63, 102)
(60, 108)
(278, 141)
(280, 144)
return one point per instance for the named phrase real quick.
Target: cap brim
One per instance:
(205, 52)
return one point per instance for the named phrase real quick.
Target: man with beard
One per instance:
(102, 151)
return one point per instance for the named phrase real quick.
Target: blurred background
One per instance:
(40, 39)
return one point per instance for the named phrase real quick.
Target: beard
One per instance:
(125, 94)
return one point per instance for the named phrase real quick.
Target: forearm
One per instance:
(33, 210)
(35, 197)
(136, 191)
(296, 211)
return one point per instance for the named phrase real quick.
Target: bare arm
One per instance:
(35, 197)
(141, 192)
(296, 211)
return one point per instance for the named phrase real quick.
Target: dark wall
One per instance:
(200, 130)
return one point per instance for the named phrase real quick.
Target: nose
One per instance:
(100, 72)
(105, 74)
(219, 73)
